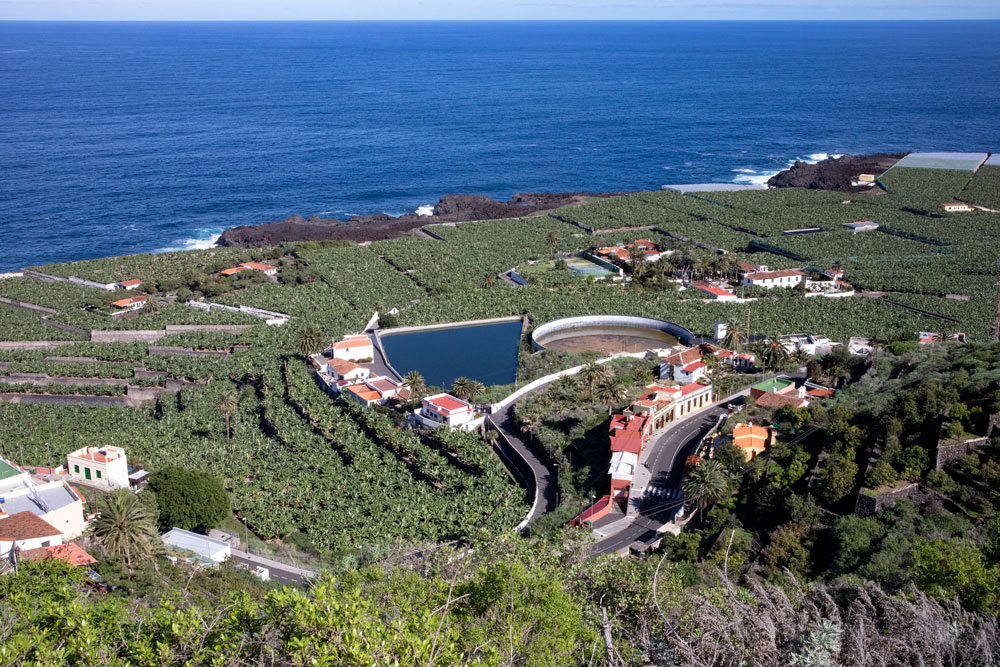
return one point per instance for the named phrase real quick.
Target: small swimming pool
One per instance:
(483, 352)
(584, 267)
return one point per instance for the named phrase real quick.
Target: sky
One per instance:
(299, 10)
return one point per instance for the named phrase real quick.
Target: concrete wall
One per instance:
(225, 328)
(33, 344)
(47, 399)
(28, 306)
(584, 322)
(133, 336)
(66, 327)
(867, 505)
(185, 351)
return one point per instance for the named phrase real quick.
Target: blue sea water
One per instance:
(128, 137)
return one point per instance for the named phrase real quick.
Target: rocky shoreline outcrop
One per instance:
(451, 208)
(834, 173)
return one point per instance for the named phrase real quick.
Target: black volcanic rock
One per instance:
(361, 228)
(834, 173)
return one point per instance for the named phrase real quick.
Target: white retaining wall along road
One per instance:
(584, 322)
(535, 384)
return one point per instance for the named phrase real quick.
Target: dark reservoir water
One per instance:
(486, 352)
(129, 137)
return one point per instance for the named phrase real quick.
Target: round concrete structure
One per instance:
(608, 334)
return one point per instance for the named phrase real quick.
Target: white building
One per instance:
(447, 410)
(99, 466)
(266, 269)
(770, 279)
(714, 291)
(206, 547)
(692, 372)
(130, 303)
(128, 284)
(354, 348)
(861, 226)
(55, 501)
(26, 530)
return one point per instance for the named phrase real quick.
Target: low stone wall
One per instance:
(185, 351)
(868, 504)
(236, 329)
(33, 344)
(39, 379)
(66, 327)
(28, 306)
(50, 399)
(127, 336)
(948, 454)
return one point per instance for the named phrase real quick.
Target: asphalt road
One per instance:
(282, 576)
(666, 465)
(545, 479)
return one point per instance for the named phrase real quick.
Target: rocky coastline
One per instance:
(834, 173)
(451, 208)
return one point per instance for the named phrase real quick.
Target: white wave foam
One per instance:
(819, 157)
(206, 239)
(425, 210)
(753, 177)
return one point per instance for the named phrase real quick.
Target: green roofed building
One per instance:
(7, 470)
(773, 386)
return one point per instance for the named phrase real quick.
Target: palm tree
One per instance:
(309, 342)
(637, 256)
(610, 392)
(551, 239)
(773, 354)
(642, 376)
(663, 265)
(126, 526)
(801, 357)
(735, 338)
(594, 373)
(707, 484)
(150, 306)
(489, 280)
(475, 389)
(415, 381)
(228, 403)
(461, 387)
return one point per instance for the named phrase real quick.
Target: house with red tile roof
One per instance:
(775, 401)
(355, 348)
(99, 466)
(770, 279)
(26, 530)
(129, 284)
(449, 411)
(751, 440)
(681, 364)
(130, 303)
(69, 553)
(342, 369)
(714, 292)
(362, 394)
(266, 269)
(233, 271)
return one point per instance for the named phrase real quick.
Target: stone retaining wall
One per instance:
(66, 327)
(185, 351)
(28, 306)
(868, 504)
(127, 336)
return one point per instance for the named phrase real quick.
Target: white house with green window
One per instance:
(99, 466)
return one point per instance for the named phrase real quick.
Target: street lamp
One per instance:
(246, 533)
(557, 485)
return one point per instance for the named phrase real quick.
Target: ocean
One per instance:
(132, 137)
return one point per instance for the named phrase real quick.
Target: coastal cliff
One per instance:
(451, 208)
(834, 173)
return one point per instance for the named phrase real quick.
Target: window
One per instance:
(76, 468)
(45, 543)
(98, 474)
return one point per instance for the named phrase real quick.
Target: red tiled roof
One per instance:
(342, 366)
(695, 366)
(383, 385)
(693, 387)
(685, 357)
(26, 526)
(821, 393)
(748, 436)
(352, 341)
(125, 303)
(712, 289)
(363, 392)
(769, 275)
(626, 441)
(130, 283)
(68, 553)
(448, 402)
(256, 266)
(772, 400)
(235, 269)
